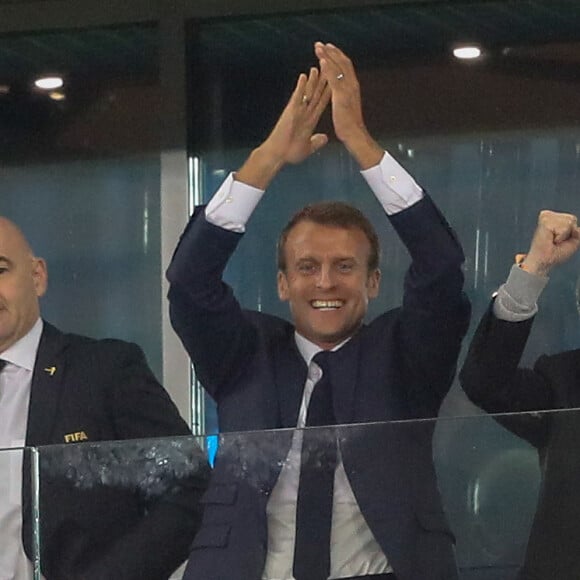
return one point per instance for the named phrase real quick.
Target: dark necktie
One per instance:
(2, 364)
(316, 487)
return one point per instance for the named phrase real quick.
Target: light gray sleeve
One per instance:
(517, 299)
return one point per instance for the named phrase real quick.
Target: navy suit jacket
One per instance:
(400, 366)
(493, 380)
(105, 390)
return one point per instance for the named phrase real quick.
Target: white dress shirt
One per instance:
(15, 383)
(354, 550)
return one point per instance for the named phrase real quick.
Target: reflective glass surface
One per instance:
(119, 508)
(19, 513)
(483, 486)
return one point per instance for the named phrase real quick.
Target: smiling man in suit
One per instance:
(369, 508)
(60, 388)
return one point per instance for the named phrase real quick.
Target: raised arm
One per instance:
(204, 311)
(491, 375)
(555, 241)
(293, 139)
(347, 116)
(435, 311)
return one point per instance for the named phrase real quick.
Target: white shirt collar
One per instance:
(23, 352)
(308, 349)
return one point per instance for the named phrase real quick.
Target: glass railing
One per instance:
(19, 513)
(427, 489)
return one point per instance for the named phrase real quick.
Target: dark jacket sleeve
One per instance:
(203, 309)
(435, 313)
(492, 378)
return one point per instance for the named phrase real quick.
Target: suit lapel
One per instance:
(290, 375)
(343, 375)
(47, 386)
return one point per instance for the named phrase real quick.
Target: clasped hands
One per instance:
(293, 139)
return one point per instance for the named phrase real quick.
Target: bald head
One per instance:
(11, 234)
(23, 279)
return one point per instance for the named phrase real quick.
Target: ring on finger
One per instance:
(305, 99)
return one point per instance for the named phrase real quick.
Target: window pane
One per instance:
(80, 175)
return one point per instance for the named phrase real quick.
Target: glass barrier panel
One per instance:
(474, 498)
(434, 494)
(19, 514)
(125, 509)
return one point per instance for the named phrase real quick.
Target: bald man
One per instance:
(60, 388)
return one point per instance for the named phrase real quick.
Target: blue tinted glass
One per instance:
(81, 176)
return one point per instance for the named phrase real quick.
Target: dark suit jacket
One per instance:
(492, 379)
(400, 366)
(105, 390)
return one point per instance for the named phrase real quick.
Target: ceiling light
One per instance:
(49, 83)
(4, 89)
(467, 52)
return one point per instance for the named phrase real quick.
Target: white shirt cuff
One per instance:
(233, 204)
(395, 189)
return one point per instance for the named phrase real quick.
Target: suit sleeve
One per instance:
(435, 312)
(161, 539)
(492, 378)
(203, 309)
